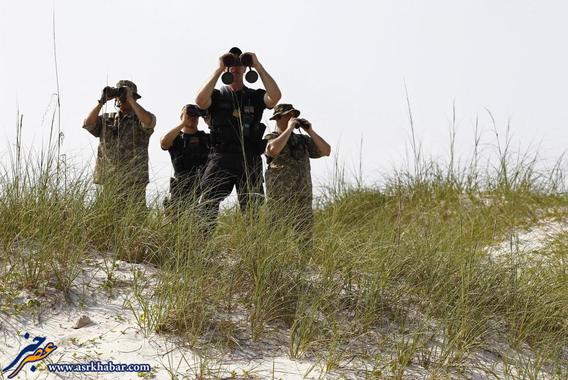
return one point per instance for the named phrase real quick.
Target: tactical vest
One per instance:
(194, 152)
(235, 121)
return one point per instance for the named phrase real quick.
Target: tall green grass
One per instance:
(399, 275)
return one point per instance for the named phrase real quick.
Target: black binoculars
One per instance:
(302, 123)
(193, 110)
(113, 92)
(231, 59)
(235, 58)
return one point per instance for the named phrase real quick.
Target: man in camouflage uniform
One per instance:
(288, 177)
(122, 156)
(188, 148)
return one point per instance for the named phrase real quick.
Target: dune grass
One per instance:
(399, 276)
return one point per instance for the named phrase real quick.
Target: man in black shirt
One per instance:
(236, 134)
(188, 148)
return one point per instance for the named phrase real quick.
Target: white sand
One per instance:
(526, 246)
(115, 334)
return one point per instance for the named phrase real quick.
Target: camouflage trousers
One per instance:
(293, 210)
(124, 195)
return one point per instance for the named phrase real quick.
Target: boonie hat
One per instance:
(283, 109)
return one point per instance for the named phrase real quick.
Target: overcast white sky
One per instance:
(344, 64)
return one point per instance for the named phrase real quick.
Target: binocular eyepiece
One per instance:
(236, 58)
(231, 59)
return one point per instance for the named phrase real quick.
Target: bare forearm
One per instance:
(320, 143)
(167, 140)
(144, 116)
(275, 146)
(273, 93)
(92, 117)
(203, 99)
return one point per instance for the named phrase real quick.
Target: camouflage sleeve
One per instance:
(95, 129)
(267, 138)
(313, 150)
(150, 127)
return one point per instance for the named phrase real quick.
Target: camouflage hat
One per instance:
(283, 109)
(129, 84)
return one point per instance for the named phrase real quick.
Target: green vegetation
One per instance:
(399, 276)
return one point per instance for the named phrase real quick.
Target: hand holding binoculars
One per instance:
(113, 92)
(193, 110)
(302, 123)
(236, 58)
